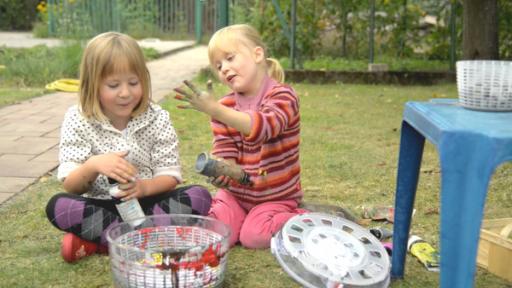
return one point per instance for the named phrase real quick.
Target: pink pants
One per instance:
(253, 228)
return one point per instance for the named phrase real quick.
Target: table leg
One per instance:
(409, 161)
(467, 164)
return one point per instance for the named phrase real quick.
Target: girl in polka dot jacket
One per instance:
(256, 126)
(116, 132)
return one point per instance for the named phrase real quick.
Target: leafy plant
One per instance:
(17, 15)
(40, 28)
(340, 27)
(138, 18)
(150, 54)
(39, 65)
(505, 29)
(74, 20)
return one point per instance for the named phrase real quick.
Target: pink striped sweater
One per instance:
(270, 154)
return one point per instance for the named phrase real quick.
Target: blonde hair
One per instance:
(228, 38)
(105, 54)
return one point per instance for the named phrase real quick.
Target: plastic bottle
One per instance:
(422, 250)
(130, 210)
(381, 233)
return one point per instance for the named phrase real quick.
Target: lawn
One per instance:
(9, 96)
(350, 139)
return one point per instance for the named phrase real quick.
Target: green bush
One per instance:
(17, 15)
(40, 30)
(150, 54)
(37, 66)
(40, 65)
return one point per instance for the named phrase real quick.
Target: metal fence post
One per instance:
(51, 18)
(199, 20)
(453, 34)
(292, 42)
(290, 33)
(371, 30)
(222, 13)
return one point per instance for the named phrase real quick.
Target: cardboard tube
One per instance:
(215, 168)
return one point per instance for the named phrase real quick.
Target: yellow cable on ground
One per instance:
(66, 85)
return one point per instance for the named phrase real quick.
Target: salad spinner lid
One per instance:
(320, 250)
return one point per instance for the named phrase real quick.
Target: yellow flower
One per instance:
(41, 7)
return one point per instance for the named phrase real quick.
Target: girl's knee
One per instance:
(200, 199)
(50, 207)
(63, 209)
(255, 239)
(203, 193)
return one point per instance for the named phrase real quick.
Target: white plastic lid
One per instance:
(412, 240)
(321, 250)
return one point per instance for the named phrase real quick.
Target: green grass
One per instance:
(350, 140)
(9, 96)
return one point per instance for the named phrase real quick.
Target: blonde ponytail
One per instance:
(275, 70)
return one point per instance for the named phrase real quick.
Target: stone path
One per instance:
(26, 40)
(29, 131)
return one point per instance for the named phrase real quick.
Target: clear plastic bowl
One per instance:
(169, 251)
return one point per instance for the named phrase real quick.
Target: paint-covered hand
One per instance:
(221, 181)
(203, 101)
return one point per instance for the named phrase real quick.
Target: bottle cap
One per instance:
(114, 187)
(412, 240)
(114, 190)
(377, 232)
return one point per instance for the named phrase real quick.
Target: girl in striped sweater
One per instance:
(256, 126)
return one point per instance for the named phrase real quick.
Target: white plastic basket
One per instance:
(485, 84)
(169, 251)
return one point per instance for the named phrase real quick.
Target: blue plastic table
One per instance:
(471, 144)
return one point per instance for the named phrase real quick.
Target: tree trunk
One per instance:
(480, 30)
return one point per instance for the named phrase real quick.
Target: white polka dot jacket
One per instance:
(150, 138)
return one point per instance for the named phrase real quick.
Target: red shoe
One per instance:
(73, 248)
(102, 249)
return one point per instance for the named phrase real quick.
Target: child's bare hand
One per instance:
(113, 165)
(199, 100)
(132, 189)
(221, 181)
